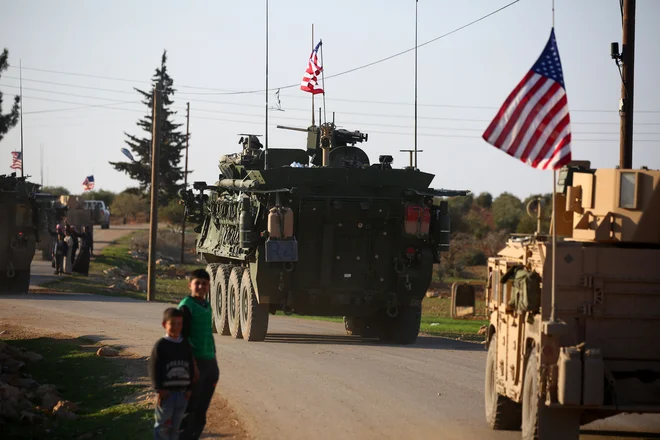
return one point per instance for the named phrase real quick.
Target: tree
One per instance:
(485, 200)
(507, 211)
(126, 204)
(107, 196)
(55, 190)
(527, 224)
(172, 141)
(172, 213)
(8, 121)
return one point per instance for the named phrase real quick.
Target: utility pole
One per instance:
(627, 85)
(20, 84)
(153, 225)
(185, 180)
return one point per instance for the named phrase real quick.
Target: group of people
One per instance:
(183, 367)
(71, 250)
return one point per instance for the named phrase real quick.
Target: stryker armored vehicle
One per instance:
(19, 220)
(592, 351)
(320, 231)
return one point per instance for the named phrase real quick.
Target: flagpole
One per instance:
(266, 139)
(20, 83)
(554, 220)
(313, 122)
(323, 81)
(416, 1)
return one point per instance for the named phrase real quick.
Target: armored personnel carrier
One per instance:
(591, 350)
(19, 223)
(319, 231)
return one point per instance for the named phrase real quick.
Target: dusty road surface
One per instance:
(309, 380)
(42, 271)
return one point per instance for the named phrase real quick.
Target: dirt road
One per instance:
(308, 380)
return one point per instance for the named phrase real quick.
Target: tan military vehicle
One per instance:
(591, 350)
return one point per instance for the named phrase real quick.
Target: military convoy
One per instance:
(19, 232)
(319, 231)
(589, 351)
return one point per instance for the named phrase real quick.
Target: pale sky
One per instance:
(218, 46)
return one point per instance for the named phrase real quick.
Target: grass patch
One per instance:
(94, 383)
(117, 255)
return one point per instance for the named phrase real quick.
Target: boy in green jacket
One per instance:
(197, 329)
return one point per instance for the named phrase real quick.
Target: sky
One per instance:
(81, 59)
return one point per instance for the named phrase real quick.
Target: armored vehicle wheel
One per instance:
(540, 422)
(211, 269)
(404, 327)
(233, 301)
(254, 316)
(354, 326)
(501, 412)
(219, 299)
(19, 283)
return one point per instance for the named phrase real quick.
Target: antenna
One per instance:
(416, 1)
(20, 83)
(41, 149)
(266, 142)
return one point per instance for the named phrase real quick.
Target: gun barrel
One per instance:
(293, 128)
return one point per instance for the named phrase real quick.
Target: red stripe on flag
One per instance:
(550, 142)
(557, 153)
(542, 127)
(493, 125)
(519, 108)
(534, 112)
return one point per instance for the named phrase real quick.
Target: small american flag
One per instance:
(310, 81)
(17, 160)
(533, 124)
(88, 184)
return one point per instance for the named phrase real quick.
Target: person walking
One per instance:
(68, 264)
(59, 251)
(198, 330)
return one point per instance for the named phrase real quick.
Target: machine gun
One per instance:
(327, 137)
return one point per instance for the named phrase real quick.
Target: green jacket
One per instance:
(197, 327)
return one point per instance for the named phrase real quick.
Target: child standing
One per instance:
(171, 368)
(197, 328)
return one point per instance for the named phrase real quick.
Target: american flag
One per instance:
(533, 124)
(17, 160)
(310, 81)
(88, 184)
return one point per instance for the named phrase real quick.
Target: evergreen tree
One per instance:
(172, 142)
(9, 120)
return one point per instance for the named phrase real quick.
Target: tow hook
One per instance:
(392, 311)
(407, 283)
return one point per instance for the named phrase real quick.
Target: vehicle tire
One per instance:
(538, 421)
(354, 326)
(211, 269)
(404, 327)
(502, 413)
(19, 283)
(253, 316)
(219, 299)
(233, 301)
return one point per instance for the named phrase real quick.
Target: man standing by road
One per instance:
(197, 328)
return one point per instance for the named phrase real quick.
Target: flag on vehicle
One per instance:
(533, 124)
(310, 82)
(88, 184)
(17, 160)
(127, 153)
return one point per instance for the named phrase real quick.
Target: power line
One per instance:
(224, 92)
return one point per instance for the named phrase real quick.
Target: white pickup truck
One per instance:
(103, 216)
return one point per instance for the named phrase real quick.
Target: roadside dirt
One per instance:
(222, 421)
